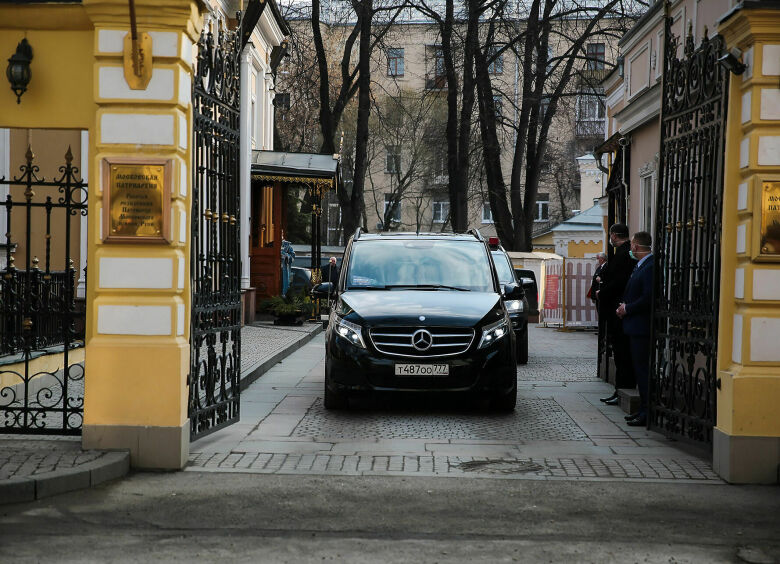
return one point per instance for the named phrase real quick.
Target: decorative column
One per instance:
(246, 163)
(747, 435)
(138, 315)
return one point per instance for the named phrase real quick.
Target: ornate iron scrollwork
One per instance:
(39, 314)
(684, 341)
(215, 338)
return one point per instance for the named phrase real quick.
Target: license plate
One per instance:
(422, 369)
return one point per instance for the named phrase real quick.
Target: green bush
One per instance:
(280, 306)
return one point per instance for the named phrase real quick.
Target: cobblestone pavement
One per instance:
(25, 458)
(559, 430)
(19, 460)
(264, 339)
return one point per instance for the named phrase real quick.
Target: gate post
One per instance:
(137, 332)
(746, 440)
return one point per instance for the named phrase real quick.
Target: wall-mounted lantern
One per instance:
(18, 71)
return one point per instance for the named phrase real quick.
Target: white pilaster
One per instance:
(81, 287)
(245, 163)
(268, 117)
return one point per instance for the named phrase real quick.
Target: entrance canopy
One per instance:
(296, 168)
(317, 173)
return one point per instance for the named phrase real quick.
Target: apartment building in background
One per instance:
(407, 180)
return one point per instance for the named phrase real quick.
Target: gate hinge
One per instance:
(717, 383)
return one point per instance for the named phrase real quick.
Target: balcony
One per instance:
(589, 128)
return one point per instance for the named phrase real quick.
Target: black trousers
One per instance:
(621, 349)
(640, 354)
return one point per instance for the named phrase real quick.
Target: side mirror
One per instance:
(513, 292)
(528, 283)
(324, 290)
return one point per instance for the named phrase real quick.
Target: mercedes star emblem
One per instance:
(422, 340)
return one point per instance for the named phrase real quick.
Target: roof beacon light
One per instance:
(493, 242)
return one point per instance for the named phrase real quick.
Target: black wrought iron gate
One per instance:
(41, 323)
(688, 234)
(214, 396)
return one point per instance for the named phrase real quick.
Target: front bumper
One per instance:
(483, 372)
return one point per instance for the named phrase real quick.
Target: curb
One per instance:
(110, 466)
(254, 373)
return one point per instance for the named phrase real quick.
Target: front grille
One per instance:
(397, 341)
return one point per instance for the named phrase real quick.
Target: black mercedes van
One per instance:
(419, 313)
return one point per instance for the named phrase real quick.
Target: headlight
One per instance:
(349, 331)
(514, 306)
(493, 332)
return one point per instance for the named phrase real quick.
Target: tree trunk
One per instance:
(352, 203)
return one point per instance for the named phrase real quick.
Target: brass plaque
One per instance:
(770, 219)
(137, 199)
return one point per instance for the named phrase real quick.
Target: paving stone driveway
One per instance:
(559, 430)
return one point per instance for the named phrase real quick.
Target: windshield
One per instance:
(420, 263)
(503, 268)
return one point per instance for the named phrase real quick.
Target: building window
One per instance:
(282, 101)
(646, 188)
(395, 208)
(440, 170)
(441, 211)
(496, 66)
(544, 106)
(334, 224)
(436, 72)
(254, 121)
(497, 104)
(395, 61)
(596, 53)
(487, 213)
(393, 159)
(439, 68)
(542, 207)
(591, 107)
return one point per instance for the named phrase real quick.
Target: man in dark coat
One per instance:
(595, 285)
(609, 295)
(636, 313)
(331, 272)
(596, 282)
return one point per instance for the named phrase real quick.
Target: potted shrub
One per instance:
(289, 309)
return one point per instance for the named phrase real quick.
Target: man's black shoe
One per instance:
(610, 398)
(613, 401)
(638, 422)
(631, 416)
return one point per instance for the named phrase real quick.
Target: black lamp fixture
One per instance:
(731, 61)
(18, 71)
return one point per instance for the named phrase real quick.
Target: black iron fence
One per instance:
(39, 311)
(42, 326)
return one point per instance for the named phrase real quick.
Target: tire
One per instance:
(333, 400)
(522, 348)
(505, 403)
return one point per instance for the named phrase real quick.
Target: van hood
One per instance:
(405, 307)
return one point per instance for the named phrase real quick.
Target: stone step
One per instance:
(629, 399)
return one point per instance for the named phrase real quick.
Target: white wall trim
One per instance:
(137, 129)
(634, 93)
(763, 339)
(766, 284)
(133, 320)
(136, 272)
(643, 109)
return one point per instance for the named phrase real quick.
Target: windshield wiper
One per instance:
(367, 287)
(429, 287)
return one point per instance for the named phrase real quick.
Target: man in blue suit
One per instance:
(636, 312)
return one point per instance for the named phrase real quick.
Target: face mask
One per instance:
(631, 254)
